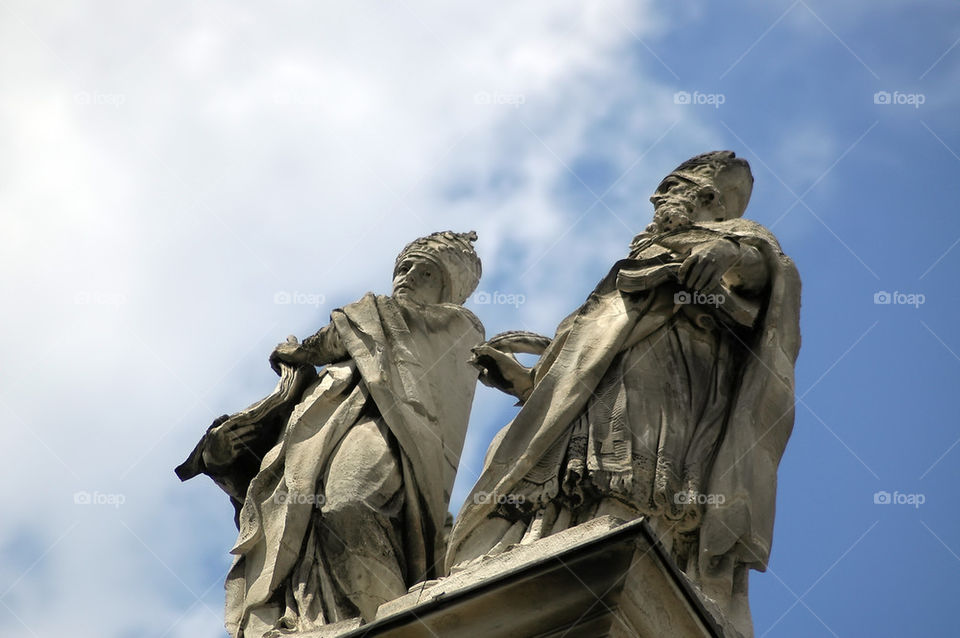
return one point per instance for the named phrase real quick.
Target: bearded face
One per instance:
(706, 193)
(678, 202)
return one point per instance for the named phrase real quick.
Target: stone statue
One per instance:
(668, 394)
(342, 480)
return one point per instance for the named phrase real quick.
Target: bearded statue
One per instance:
(668, 395)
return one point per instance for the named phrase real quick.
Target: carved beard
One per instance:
(672, 214)
(669, 218)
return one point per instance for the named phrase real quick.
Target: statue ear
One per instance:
(709, 194)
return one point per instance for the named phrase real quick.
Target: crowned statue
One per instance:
(341, 479)
(667, 396)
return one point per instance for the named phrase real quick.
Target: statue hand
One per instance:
(501, 371)
(707, 263)
(288, 352)
(225, 442)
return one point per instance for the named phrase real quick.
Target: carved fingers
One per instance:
(224, 443)
(706, 265)
(500, 370)
(489, 362)
(288, 352)
(240, 437)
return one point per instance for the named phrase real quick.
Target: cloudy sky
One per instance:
(171, 173)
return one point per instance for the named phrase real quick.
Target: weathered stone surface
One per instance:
(342, 480)
(334, 630)
(666, 399)
(668, 394)
(602, 578)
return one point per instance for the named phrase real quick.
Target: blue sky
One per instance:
(169, 170)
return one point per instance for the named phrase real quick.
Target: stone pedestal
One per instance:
(603, 578)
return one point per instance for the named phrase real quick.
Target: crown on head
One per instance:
(454, 254)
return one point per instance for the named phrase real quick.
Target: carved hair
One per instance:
(725, 170)
(720, 170)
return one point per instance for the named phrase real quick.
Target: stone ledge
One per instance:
(603, 578)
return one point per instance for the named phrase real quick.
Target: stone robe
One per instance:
(348, 509)
(643, 406)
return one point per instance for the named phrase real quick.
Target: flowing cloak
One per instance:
(411, 360)
(759, 420)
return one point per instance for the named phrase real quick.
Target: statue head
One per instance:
(439, 268)
(714, 186)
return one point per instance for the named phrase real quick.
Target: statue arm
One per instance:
(321, 348)
(749, 272)
(738, 264)
(325, 346)
(500, 369)
(232, 449)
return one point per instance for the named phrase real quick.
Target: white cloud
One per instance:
(166, 171)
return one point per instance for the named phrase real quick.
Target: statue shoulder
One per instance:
(746, 229)
(465, 316)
